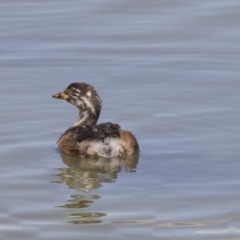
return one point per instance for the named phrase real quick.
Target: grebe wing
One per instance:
(94, 132)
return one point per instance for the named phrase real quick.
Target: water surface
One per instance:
(166, 70)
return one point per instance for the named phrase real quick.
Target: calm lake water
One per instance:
(166, 70)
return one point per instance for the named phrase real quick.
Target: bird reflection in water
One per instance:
(89, 174)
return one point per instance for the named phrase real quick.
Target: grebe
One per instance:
(87, 139)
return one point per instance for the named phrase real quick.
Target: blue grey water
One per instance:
(168, 70)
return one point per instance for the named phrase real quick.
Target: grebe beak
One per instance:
(61, 95)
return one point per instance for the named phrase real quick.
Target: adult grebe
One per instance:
(87, 139)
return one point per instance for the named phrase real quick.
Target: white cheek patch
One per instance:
(76, 102)
(77, 90)
(79, 103)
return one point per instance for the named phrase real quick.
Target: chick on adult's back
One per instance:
(86, 138)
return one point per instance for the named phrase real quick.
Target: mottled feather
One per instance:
(94, 132)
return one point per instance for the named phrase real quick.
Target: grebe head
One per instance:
(84, 97)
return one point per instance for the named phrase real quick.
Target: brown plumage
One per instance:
(87, 139)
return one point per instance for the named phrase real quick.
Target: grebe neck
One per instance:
(87, 117)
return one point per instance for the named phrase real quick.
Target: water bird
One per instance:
(85, 138)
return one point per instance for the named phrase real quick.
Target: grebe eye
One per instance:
(68, 91)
